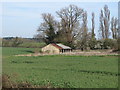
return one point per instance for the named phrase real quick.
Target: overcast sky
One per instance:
(22, 19)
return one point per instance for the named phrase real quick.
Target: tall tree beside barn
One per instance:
(84, 38)
(93, 25)
(47, 29)
(101, 28)
(92, 41)
(114, 27)
(69, 23)
(105, 22)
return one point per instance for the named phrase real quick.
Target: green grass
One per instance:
(61, 71)
(10, 51)
(32, 44)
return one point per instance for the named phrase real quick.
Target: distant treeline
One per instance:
(10, 38)
(22, 42)
(39, 43)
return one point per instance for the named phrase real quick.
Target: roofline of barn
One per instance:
(57, 46)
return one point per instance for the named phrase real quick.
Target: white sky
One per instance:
(59, 0)
(23, 18)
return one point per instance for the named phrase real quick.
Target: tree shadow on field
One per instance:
(29, 51)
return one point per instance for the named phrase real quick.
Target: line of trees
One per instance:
(71, 29)
(21, 42)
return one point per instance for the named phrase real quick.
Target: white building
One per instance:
(56, 48)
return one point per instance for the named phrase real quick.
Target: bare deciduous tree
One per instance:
(114, 29)
(47, 29)
(105, 22)
(84, 39)
(92, 41)
(70, 17)
(93, 25)
(101, 29)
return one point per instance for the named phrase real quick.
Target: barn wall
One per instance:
(50, 49)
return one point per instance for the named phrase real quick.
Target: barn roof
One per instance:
(61, 46)
(57, 46)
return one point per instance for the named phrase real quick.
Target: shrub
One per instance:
(92, 43)
(16, 41)
(115, 44)
(109, 44)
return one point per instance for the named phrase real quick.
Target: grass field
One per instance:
(61, 71)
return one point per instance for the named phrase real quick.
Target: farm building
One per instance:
(56, 48)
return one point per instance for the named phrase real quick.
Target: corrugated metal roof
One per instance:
(63, 46)
(57, 46)
(60, 46)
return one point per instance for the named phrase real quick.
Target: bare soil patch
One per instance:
(76, 52)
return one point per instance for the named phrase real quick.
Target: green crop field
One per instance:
(60, 71)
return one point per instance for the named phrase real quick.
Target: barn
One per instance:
(56, 48)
